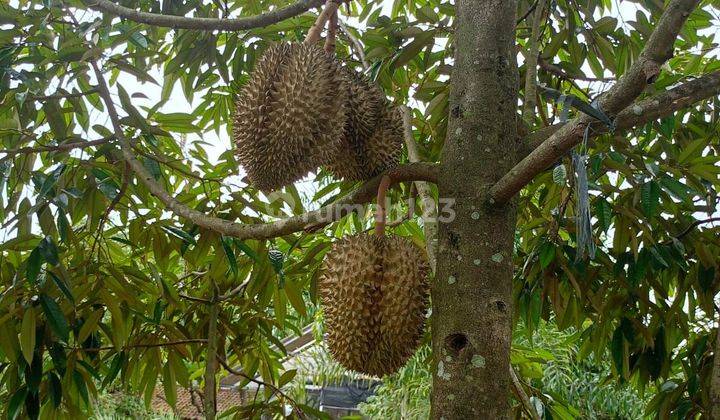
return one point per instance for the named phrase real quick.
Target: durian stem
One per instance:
(332, 31)
(314, 33)
(380, 213)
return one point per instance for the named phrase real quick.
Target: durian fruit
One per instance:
(384, 147)
(290, 115)
(374, 294)
(372, 143)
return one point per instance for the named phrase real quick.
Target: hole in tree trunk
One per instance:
(454, 343)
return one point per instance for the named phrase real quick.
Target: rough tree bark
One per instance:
(472, 313)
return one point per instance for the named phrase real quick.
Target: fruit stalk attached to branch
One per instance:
(332, 32)
(315, 31)
(381, 213)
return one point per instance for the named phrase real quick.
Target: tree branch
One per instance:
(61, 95)
(144, 346)
(644, 111)
(355, 45)
(429, 215)
(522, 396)
(59, 148)
(204, 24)
(332, 33)
(643, 72)
(275, 389)
(558, 71)
(692, 226)
(310, 220)
(315, 31)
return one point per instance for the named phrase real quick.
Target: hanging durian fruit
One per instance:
(374, 294)
(373, 132)
(384, 147)
(290, 115)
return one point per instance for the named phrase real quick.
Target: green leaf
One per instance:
(650, 198)
(62, 286)
(81, 386)
(603, 212)
(169, 385)
(676, 188)
(55, 389)
(314, 412)
(58, 356)
(605, 25)
(49, 251)
(152, 167)
(27, 334)
(247, 250)
(115, 367)
(50, 181)
(294, 295)
(286, 377)
(106, 184)
(139, 40)
(34, 265)
(16, 403)
(411, 50)
(546, 253)
(179, 233)
(55, 317)
(230, 254)
(617, 349)
(56, 118)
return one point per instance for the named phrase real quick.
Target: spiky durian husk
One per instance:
(384, 147)
(374, 293)
(290, 115)
(370, 144)
(365, 103)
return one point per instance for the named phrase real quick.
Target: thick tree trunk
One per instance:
(472, 313)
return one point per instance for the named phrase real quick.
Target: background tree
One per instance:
(133, 257)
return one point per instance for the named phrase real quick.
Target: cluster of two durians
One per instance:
(300, 110)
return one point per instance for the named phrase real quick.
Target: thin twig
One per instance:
(526, 14)
(429, 215)
(355, 45)
(121, 193)
(141, 346)
(204, 24)
(558, 71)
(256, 381)
(690, 227)
(195, 299)
(63, 95)
(59, 148)
(522, 396)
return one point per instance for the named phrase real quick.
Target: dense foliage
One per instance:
(102, 286)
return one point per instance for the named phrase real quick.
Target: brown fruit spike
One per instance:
(290, 115)
(374, 292)
(371, 143)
